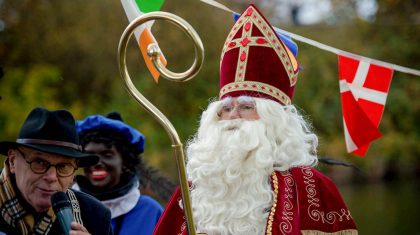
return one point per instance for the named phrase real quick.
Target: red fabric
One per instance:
(361, 84)
(266, 57)
(306, 200)
(172, 221)
(310, 201)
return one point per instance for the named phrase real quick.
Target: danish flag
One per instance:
(364, 88)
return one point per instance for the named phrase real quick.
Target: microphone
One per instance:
(62, 209)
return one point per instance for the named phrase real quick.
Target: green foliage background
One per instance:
(63, 54)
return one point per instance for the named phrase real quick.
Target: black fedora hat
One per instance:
(51, 132)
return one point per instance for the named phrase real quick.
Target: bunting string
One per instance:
(364, 86)
(348, 54)
(326, 47)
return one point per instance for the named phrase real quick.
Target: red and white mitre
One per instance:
(256, 62)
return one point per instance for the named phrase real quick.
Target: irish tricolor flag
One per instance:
(134, 9)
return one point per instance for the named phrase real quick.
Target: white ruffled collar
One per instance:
(121, 205)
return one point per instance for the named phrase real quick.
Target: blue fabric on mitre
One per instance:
(286, 39)
(95, 122)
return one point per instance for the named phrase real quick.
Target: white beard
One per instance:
(229, 165)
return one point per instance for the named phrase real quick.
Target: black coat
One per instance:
(95, 216)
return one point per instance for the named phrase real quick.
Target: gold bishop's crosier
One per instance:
(154, 53)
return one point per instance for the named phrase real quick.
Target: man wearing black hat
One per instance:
(42, 161)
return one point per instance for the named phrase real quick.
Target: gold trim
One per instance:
(243, 52)
(269, 228)
(342, 232)
(258, 87)
(271, 38)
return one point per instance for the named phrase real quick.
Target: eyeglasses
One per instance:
(243, 109)
(39, 166)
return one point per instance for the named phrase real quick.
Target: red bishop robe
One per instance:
(305, 202)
